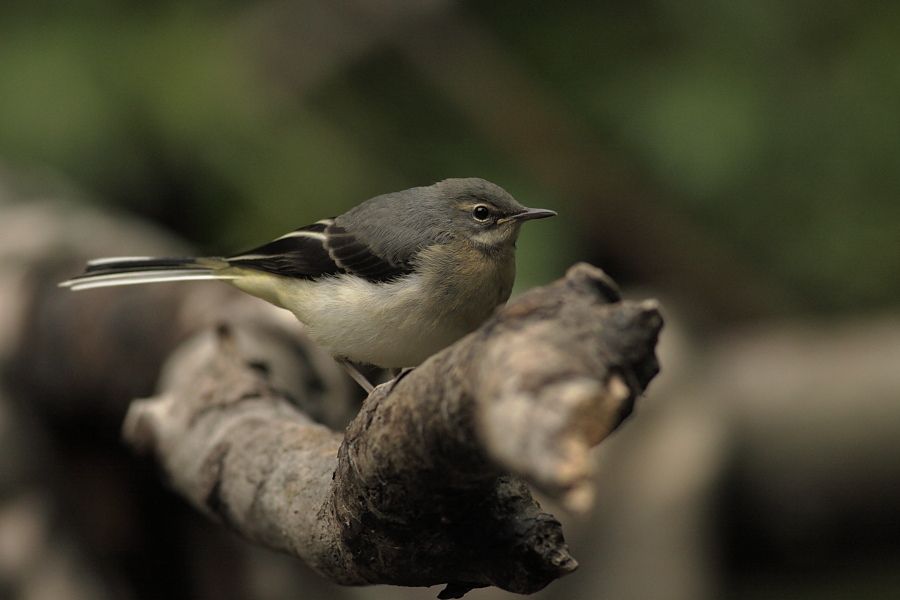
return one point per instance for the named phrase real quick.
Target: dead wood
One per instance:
(427, 485)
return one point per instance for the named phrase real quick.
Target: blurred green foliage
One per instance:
(772, 127)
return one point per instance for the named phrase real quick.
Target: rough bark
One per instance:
(428, 483)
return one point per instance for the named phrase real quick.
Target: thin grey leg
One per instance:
(398, 374)
(356, 375)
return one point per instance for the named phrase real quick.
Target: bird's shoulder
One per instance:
(397, 226)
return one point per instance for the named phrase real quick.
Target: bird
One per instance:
(388, 283)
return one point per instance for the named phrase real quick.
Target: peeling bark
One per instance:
(428, 483)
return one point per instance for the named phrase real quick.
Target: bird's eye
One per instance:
(481, 213)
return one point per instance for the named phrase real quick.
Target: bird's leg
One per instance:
(398, 374)
(356, 375)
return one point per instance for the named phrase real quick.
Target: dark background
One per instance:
(740, 160)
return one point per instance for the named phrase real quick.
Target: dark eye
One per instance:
(481, 213)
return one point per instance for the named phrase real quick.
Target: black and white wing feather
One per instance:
(300, 253)
(319, 250)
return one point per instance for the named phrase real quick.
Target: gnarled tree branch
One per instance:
(428, 483)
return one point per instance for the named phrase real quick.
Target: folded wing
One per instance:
(319, 250)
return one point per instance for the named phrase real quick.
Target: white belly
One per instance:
(384, 324)
(394, 324)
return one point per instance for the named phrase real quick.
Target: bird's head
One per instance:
(398, 225)
(483, 212)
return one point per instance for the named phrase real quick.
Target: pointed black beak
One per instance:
(533, 213)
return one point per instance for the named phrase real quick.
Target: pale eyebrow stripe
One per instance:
(470, 204)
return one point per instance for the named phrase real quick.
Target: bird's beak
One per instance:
(532, 213)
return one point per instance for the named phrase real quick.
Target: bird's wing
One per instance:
(317, 250)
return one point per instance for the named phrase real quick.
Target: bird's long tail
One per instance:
(131, 270)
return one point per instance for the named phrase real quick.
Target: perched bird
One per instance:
(388, 283)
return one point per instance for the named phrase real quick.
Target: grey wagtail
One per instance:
(388, 283)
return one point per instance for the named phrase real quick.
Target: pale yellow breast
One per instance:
(467, 283)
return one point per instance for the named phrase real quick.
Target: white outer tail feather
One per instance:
(117, 259)
(139, 277)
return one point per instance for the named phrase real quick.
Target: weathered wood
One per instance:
(428, 483)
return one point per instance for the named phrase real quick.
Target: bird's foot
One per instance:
(398, 375)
